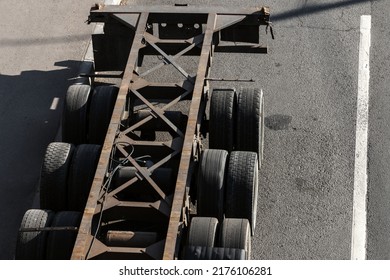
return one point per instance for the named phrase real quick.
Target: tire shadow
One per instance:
(30, 112)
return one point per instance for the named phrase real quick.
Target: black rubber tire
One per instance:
(82, 172)
(101, 107)
(202, 231)
(54, 176)
(32, 245)
(213, 253)
(236, 233)
(242, 187)
(211, 183)
(250, 122)
(222, 119)
(60, 243)
(75, 114)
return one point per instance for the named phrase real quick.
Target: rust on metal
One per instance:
(81, 246)
(190, 10)
(140, 217)
(116, 238)
(193, 119)
(48, 229)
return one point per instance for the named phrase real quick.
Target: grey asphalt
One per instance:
(378, 243)
(309, 79)
(41, 44)
(310, 82)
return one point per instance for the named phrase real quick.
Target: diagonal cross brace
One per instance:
(150, 117)
(196, 41)
(159, 112)
(169, 59)
(146, 175)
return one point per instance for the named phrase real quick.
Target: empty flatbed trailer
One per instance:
(131, 178)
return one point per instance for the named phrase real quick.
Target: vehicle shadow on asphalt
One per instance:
(307, 9)
(28, 122)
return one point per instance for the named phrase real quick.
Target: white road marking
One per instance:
(54, 104)
(359, 220)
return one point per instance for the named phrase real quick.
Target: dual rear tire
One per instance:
(207, 239)
(228, 187)
(237, 121)
(34, 242)
(87, 113)
(227, 181)
(66, 176)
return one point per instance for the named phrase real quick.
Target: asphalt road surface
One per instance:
(378, 242)
(310, 82)
(41, 44)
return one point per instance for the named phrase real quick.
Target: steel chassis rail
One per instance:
(167, 215)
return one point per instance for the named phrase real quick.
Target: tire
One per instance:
(75, 114)
(54, 176)
(213, 253)
(211, 183)
(202, 232)
(60, 243)
(32, 245)
(236, 233)
(250, 122)
(102, 105)
(222, 116)
(242, 187)
(82, 172)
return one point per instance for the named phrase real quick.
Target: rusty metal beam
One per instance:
(136, 207)
(197, 40)
(99, 14)
(169, 211)
(159, 112)
(176, 143)
(193, 119)
(82, 241)
(168, 58)
(120, 238)
(145, 174)
(149, 118)
(99, 248)
(34, 229)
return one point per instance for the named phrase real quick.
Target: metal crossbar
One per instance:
(166, 212)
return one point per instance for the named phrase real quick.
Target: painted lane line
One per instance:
(54, 104)
(359, 220)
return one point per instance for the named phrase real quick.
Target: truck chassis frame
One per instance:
(158, 30)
